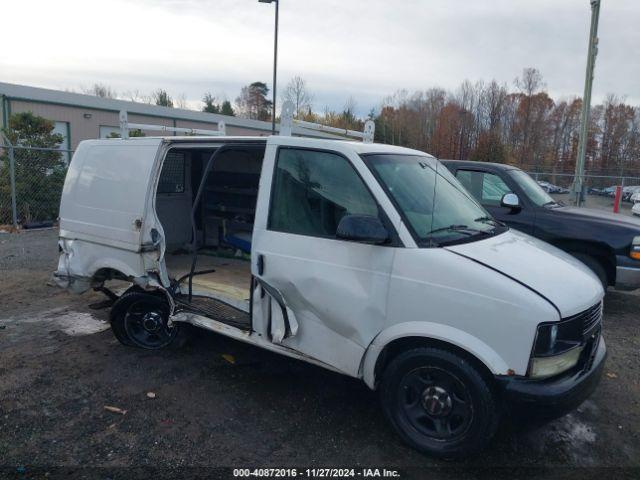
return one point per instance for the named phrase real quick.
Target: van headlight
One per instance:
(557, 349)
(543, 367)
(635, 248)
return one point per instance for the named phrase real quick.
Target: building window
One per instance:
(62, 128)
(106, 131)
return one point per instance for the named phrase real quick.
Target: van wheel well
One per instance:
(396, 347)
(104, 274)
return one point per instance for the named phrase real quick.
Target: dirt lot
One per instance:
(60, 365)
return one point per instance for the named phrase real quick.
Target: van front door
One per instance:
(315, 293)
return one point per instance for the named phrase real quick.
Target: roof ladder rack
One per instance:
(287, 122)
(125, 127)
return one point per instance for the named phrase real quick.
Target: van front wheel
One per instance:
(141, 319)
(438, 402)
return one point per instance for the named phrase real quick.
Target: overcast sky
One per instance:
(362, 48)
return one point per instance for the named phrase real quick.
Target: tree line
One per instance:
(522, 126)
(519, 124)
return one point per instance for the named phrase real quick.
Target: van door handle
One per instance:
(260, 264)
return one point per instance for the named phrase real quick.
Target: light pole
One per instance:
(275, 66)
(578, 181)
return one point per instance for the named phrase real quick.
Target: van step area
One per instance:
(215, 309)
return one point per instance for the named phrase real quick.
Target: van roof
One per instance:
(357, 146)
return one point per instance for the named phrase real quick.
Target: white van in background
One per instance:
(369, 260)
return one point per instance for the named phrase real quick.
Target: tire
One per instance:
(139, 319)
(595, 266)
(425, 389)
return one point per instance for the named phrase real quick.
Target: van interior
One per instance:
(224, 217)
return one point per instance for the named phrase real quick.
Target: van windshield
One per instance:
(434, 205)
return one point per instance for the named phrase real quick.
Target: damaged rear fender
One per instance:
(80, 261)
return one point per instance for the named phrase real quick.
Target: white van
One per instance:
(369, 260)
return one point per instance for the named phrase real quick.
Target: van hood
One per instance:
(557, 276)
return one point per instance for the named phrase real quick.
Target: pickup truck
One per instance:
(608, 244)
(369, 260)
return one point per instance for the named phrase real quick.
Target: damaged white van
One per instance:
(369, 260)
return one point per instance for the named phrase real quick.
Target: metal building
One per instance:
(80, 117)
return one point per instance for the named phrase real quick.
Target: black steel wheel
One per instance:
(435, 402)
(141, 319)
(145, 323)
(438, 402)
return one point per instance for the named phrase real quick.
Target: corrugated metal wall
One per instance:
(85, 123)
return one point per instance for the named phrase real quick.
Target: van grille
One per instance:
(586, 324)
(586, 320)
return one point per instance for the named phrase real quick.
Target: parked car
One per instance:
(551, 188)
(635, 199)
(546, 186)
(629, 191)
(608, 244)
(369, 260)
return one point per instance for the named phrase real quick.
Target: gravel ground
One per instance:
(60, 365)
(597, 202)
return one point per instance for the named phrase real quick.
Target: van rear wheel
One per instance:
(141, 319)
(438, 402)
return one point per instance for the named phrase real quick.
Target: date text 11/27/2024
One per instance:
(317, 472)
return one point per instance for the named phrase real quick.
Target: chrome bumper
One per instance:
(627, 278)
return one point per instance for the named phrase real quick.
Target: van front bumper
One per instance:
(553, 397)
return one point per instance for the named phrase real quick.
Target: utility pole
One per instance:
(275, 72)
(578, 181)
(275, 66)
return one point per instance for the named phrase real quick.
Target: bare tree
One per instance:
(531, 81)
(100, 90)
(181, 102)
(619, 123)
(296, 92)
(137, 96)
(530, 86)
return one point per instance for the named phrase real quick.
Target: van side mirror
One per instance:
(510, 200)
(362, 228)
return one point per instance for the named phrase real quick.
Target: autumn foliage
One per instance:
(523, 126)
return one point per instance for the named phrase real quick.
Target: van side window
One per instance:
(485, 187)
(172, 174)
(313, 190)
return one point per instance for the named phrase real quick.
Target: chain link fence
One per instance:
(31, 181)
(600, 190)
